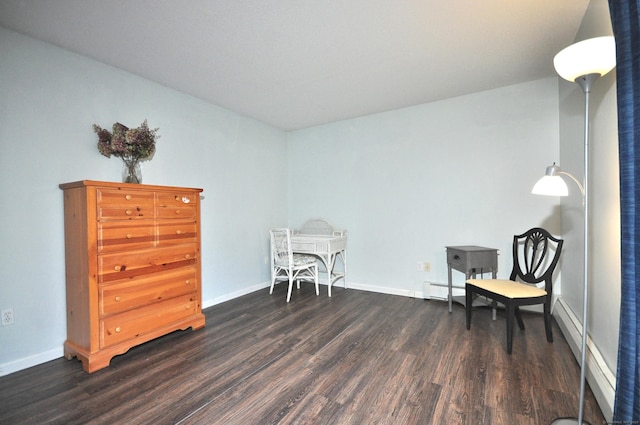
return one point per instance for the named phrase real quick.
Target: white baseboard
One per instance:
(601, 379)
(428, 291)
(236, 294)
(27, 362)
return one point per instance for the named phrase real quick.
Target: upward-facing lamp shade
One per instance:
(592, 56)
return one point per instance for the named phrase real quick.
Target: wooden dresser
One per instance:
(132, 266)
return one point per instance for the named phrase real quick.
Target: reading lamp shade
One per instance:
(551, 186)
(592, 56)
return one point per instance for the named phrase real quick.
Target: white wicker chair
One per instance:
(285, 265)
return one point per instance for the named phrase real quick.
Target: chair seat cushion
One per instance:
(508, 288)
(299, 260)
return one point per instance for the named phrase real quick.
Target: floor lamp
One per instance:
(581, 63)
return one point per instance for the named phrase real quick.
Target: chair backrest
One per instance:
(281, 246)
(316, 227)
(535, 256)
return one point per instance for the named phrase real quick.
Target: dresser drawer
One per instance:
(177, 232)
(124, 204)
(125, 235)
(143, 290)
(177, 205)
(124, 265)
(134, 323)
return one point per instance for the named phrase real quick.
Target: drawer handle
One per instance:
(177, 211)
(120, 268)
(187, 256)
(118, 329)
(128, 212)
(178, 232)
(456, 257)
(129, 235)
(187, 282)
(127, 197)
(187, 307)
(118, 299)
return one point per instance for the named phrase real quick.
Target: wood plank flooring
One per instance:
(355, 358)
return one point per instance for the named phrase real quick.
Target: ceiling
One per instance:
(300, 63)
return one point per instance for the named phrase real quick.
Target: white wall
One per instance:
(407, 183)
(49, 98)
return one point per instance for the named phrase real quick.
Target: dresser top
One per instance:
(87, 183)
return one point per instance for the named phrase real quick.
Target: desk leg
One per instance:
(493, 307)
(328, 265)
(332, 263)
(344, 261)
(450, 285)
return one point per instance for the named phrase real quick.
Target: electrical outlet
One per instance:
(7, 317)
(427, 266)
(419, 266)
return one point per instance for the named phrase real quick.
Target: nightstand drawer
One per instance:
(465, 258)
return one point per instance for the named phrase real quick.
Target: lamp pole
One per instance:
(583, 63)
(585, 82)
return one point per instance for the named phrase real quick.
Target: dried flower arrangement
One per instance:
(131, 145)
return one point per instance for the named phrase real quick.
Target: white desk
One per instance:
(326, 247)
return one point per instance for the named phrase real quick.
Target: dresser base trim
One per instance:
(100, 359)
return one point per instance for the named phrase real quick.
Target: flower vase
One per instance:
(131, 173)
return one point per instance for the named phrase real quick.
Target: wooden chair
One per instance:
(285, 265)
(535, 256)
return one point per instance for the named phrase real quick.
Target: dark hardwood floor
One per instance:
(356, 358)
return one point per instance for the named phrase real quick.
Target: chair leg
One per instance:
(273, 283)
(315, 279)
(519, 317)
(290, 287)
(547, 321)
(510, 314)
(467, 305)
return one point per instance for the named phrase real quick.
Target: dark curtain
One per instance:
(625, 19)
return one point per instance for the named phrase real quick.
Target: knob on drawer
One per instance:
(187, 256)
(178, 232)
(127, 197)
(129, 235)
(187, 282)
(118, 299)
(118, 329)
(128, 212)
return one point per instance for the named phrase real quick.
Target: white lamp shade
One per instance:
(551, 186)
(592, 56)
